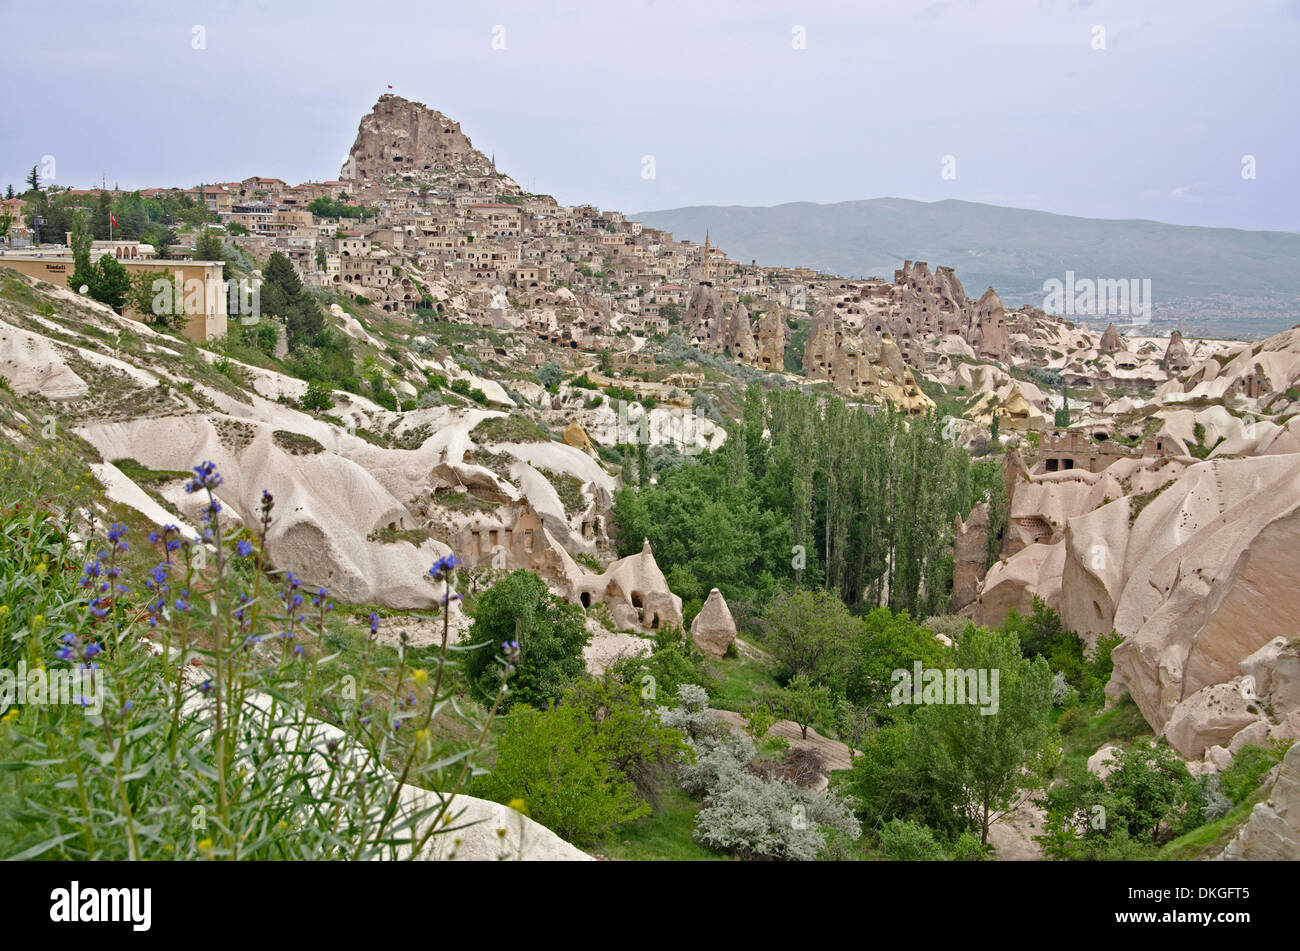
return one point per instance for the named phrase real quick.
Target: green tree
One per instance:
(1151, 785)
(318, 398)
(284, 296)
(112, 283)
(810, 633)
(100, 223)
(805, 702)
(883, 643)
(208, 246)
(83, 274)
(164, 313)
(905, 841)
(993, 756)
(895, 778)
(627, 733)
(1063, 414)
(163, 240)
(34, 180)
(549, 631)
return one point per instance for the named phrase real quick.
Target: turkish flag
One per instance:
(112, 219)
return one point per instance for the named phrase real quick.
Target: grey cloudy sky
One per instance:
(1153, 126)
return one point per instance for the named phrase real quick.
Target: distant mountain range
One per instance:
(1013, 249)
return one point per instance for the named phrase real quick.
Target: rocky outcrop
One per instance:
(1102, 763)
(704, 317)
(576, 436)
(714, 629)
(970, 556)
(738, 338)
(634, 588)
(773, 338)
(1176, 358)
(404, 138)
(865, 366)
(988, 332)
(1110, 340)
(1013, 584)
(32, 364)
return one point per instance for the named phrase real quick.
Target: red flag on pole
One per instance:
(113, 219)
(390, 85)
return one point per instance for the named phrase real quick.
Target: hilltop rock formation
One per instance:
(408, 139)
(1176, 358)
(634, 588)
(714, 629)
(773, 338)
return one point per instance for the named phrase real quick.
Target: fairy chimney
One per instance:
(714, 629)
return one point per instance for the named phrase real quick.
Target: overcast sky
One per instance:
(1153, 125)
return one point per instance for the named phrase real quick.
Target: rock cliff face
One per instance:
(970, 556)
(1198, 581)
(405, 138)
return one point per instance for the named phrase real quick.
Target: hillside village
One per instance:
(523, 363)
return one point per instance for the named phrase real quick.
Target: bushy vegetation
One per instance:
(202, 714)
(593, 762)
(518, 614)
(749, 811)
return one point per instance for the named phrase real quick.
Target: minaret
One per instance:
(708, 259)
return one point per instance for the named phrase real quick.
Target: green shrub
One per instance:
(1247, 770)
(549, 631)
(545, 759)
(905, 841)
(318, 398)
(296, 443)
